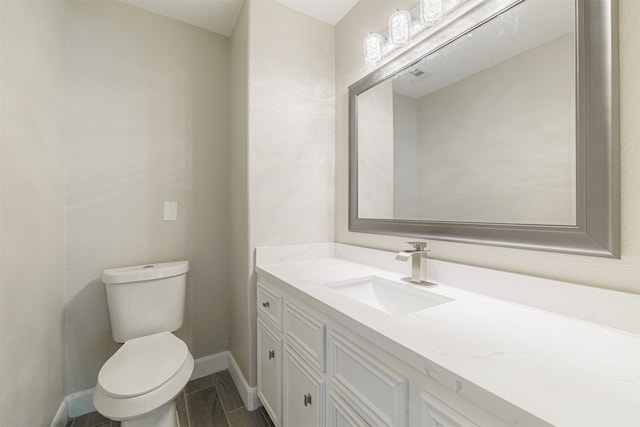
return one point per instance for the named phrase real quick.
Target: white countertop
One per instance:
(565, 371)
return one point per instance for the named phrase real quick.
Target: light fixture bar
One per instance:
(403, 27)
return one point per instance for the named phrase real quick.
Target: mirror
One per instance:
(503, 134)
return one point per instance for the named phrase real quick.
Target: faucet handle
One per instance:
(419, 246)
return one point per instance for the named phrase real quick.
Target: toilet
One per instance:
(138, 384)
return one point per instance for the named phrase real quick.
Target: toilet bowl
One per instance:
(138, 384)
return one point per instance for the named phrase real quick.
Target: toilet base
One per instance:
(164, 416)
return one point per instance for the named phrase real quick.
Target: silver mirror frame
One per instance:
(597, 229)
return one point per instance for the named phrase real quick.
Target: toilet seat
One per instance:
(132, 408)
(142, 365)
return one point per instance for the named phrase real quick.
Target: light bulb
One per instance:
(431, 11)
(373, 48)
(400, 28)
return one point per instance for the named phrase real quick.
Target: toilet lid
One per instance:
(142, 365)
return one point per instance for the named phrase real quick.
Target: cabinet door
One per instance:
(341, 414)
(436, 414)
(269, 370)
(304, 393)
(377, 391)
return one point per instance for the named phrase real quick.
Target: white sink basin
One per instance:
(397, 298)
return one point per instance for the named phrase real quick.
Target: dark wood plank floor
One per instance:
(211, 401)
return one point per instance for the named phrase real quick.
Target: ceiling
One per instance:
(329, 11)
(220, 16)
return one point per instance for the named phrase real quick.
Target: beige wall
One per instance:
(291, 132)
(291, 126)
(147, 123)
(290, 143)
(32, 96)
(623, 274)
(242, 343)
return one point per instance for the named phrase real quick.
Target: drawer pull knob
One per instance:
(265, 304)
(307, 399)
(272, 354)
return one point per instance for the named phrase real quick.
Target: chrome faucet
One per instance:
(416, 255)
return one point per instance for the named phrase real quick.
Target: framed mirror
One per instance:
(505, 133)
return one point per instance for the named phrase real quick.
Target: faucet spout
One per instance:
(405, 255)
(416, 255)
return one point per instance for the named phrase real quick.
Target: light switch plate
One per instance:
(170, 211)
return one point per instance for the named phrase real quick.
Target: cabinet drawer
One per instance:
(304, 393)
(436, 414)
(306, 334)
(270, 305)
(379, 394)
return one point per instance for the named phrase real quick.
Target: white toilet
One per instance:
(139, 383)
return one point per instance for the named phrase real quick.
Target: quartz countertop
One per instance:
(562, 370)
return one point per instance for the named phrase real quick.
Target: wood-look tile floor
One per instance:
(211, 401)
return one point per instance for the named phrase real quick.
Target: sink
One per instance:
(391, 297)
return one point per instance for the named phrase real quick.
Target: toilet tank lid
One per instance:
(139, 273)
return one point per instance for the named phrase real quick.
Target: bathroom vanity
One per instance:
(342, 341)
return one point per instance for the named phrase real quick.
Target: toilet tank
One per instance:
(145, 299)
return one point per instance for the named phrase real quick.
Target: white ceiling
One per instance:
(220, 16)
(329, 11)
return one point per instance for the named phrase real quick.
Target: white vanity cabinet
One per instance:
(291, 360)
(368, 349)
(314, 371)
(269, 351)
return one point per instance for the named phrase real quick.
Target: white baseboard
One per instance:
(81, 402)
(73, 405)
(249, 394)
(60, 418)
(211, 364)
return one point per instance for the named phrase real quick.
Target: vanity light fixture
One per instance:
(373, 48)
(400, 28)
(403, 27)
(431, 12)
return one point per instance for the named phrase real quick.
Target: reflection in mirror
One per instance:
(483, 130)
(500, 128)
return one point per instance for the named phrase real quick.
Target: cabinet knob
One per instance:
(272, 354)
(307, 399)
(265, 304)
